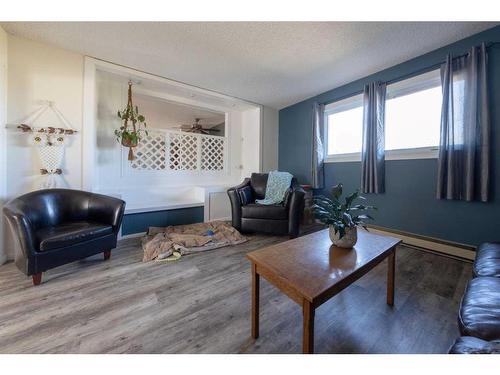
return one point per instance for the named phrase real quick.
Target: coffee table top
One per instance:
(315, 269)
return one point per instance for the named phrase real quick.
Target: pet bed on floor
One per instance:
(160, 243)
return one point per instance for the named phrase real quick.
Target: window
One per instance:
(413, 113)
(344, 126)
(412, 121)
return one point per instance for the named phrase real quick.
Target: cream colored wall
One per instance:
(40, 72)
(3, 119)
(270, 130)
(250, 141)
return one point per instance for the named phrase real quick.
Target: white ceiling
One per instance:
(271, 63)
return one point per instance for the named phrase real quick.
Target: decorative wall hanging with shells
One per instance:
(50, 143)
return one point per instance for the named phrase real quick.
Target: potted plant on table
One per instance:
(342, 218)
(129, 135)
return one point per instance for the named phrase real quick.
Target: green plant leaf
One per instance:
(351, 198)
(340, 215)
(337, 191)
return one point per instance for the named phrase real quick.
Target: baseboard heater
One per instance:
(437, 245)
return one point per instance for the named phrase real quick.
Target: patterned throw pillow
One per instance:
(246, 195)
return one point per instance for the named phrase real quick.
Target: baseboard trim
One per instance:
(132, 235)
(437, 245)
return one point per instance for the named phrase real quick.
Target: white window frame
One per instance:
(336, 107)
(407, 86)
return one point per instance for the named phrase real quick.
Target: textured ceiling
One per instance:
(270, 63)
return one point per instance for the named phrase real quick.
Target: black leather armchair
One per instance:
(57, 226)
(247, 216)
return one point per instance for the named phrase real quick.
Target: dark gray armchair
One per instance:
(53, 227)
(247, 216)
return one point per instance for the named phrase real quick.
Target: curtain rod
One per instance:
(412, 74)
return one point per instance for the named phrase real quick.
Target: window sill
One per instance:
(405, 154)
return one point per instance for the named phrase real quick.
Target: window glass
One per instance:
(413, 120)
(345, 131)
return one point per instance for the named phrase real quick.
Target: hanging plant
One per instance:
(134, 125)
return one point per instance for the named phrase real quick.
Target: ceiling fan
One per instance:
(196, 127)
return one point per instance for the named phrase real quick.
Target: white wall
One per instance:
(3, 120)
(40, 72)
(250, 139)
(113, 172)
(270, 130)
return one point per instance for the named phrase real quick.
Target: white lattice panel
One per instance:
(183, 152)
(150, 152)
(212, 153)
(176, 151)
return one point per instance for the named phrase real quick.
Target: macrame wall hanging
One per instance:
(50, 143)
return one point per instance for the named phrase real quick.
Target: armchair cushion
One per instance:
(260, 211)
(68, 234)
(479, 313)
(246, 195)
(473, 345)
(487, 261)
(258, 182)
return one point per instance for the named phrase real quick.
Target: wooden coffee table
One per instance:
(310, 270)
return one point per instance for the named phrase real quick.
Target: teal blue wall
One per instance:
(140, 222)
(409, 203)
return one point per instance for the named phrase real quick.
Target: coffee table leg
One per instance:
(255, 301)
(308, 329)
(391, 268)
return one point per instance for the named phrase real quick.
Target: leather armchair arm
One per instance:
(234, 198)
(245, 182)
(296, 208)
(106, 210)
(22, 229)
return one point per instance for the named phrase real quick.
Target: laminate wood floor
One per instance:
(201, 304)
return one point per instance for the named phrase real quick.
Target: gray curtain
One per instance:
(464, 150)
(318, 152)
(373, 149)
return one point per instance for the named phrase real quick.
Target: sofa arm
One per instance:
(296, 208)
(22, 233)
(235, 200)
(106, 210)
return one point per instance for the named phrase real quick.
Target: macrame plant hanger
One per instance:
(49, 142)
(127, 142)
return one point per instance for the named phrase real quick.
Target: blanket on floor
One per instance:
(160, 243)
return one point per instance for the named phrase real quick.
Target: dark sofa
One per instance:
(53, 227)
(479, 313)
(280, 219)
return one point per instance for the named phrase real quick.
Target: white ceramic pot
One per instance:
(348, 241)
